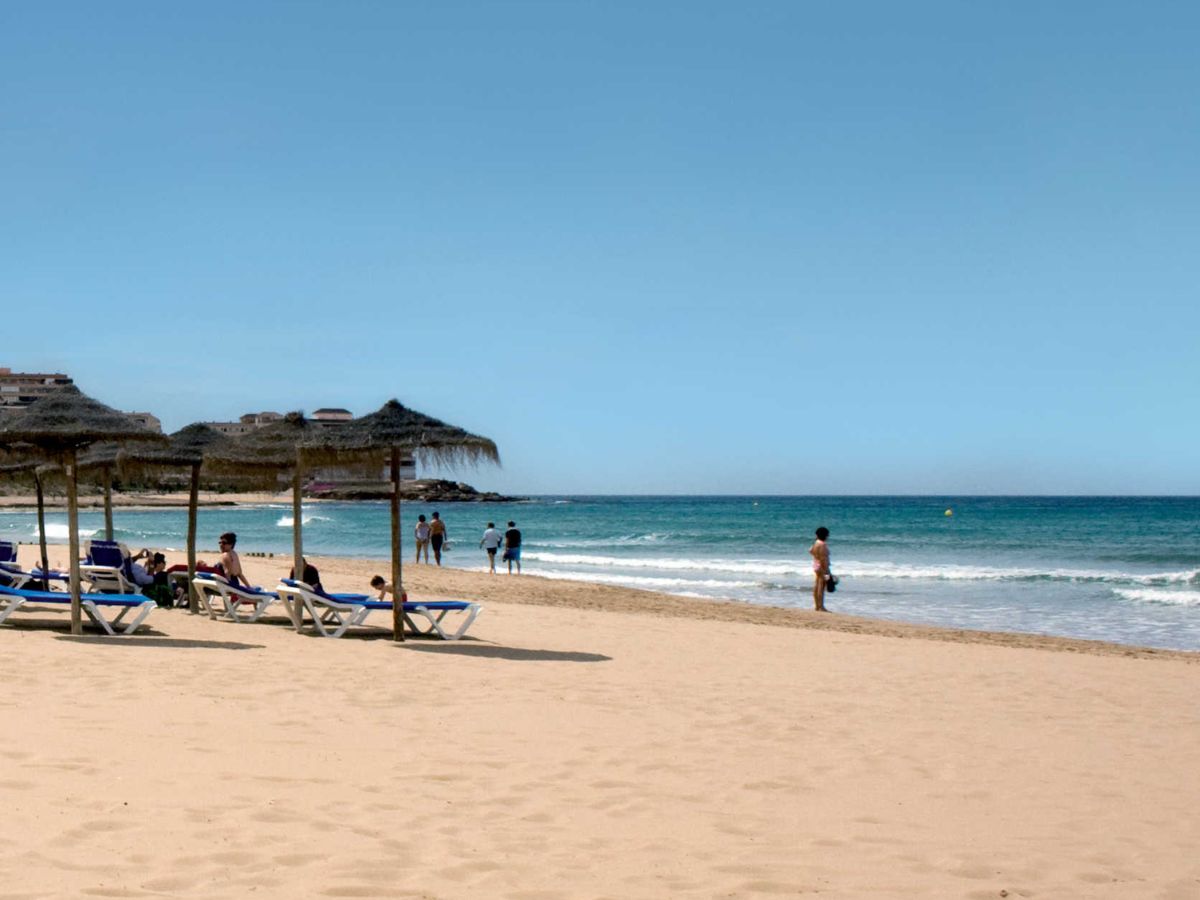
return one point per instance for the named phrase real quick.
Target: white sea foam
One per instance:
(1157, 595)
(624, 540)
(58, 531)
(305, 519)
(649, 582)
(996, 573)
(746, 567)
(851, 568)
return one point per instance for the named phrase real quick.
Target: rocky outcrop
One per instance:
(425, 490)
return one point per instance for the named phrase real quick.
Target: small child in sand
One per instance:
(386, 588)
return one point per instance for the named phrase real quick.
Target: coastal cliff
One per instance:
(423, 490)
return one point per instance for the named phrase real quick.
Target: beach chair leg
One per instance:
(10, 606)
(333, 623)
(15, 581)
(435, 622)
(94, 613)
(96, 616)
(472, 613)
(206, 603)
(142, 611)
(260, 609)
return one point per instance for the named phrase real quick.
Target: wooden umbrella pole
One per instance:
(41, 516)
(73, 538)
(108, 525)
(193, 503)
(397, 585)
(297, 539)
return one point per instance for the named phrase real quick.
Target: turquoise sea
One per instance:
(1123, 569)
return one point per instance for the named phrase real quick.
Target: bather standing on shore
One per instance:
(437, 537)
(820, 554)
(421, 534)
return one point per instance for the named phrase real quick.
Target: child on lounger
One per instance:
(384, 589)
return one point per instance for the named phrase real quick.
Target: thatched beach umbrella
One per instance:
(25, 472)
(388, 432)
(266, 452)
(97, 462)
(60, 424)
(185, 448)
(102, 460)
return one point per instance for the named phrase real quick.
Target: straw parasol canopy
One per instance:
(22, 465)
(430, 440)
(68, 419)
(263, 453)
(386, 433)
(186, 448)
(60, 424)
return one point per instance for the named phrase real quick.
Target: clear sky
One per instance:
(685, 247)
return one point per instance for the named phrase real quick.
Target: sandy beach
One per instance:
(592, 741)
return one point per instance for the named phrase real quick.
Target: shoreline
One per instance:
(343, 573)
(570, 593)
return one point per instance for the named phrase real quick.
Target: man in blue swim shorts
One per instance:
(512, 547)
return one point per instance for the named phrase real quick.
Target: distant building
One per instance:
(147, 420)
(331, 416)
(19, 389)
(246, 423)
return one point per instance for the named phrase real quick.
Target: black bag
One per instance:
(831, 584)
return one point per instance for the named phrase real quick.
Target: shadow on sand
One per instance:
(492, 651)
(135, 640)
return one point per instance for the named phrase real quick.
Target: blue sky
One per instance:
(668, 248)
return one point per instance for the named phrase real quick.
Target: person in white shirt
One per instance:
(492, 539)
(421, 533)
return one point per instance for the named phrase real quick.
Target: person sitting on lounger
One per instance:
(311, 576)
(385, 588)
(230, 566)
(152, 577)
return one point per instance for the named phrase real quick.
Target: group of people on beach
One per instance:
(152, 577)
(432, 535)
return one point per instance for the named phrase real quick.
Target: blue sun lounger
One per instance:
(13, 576)
(12, 599)
(211, 587)
(333, 614)
(108, 569)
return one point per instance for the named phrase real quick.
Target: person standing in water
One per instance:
(512, 547)
(819, 551)
(437, 537)
(492, 539)
(421, 533)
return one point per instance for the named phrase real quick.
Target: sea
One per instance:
(1123, 569)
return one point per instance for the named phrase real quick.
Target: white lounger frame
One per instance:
(10, 604)
(106, 580)
(233, 600)
(17, 578)
(332, 617)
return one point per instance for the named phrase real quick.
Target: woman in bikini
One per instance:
(819, 551)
